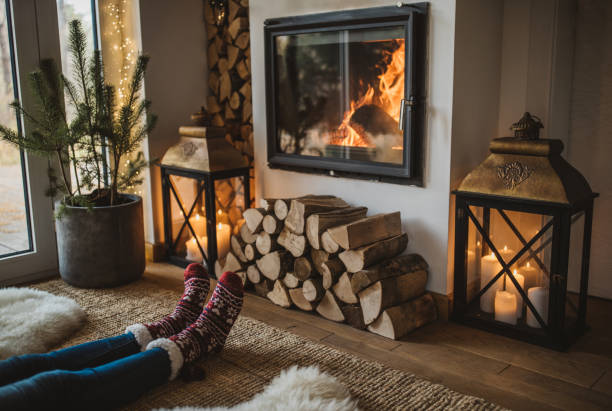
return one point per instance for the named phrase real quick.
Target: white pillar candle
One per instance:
(505, 307)
(223, 239)
(198, 223)
(532, 275)
(489, 267)
(539, 298)
(193, 252)
(511, 288)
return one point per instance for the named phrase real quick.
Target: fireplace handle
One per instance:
(410, 102)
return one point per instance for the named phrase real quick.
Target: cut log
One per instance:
(353, 315)
(301, 208)
(329, 308)
(331, 271)
(275, 265)
(395, 322)
(233, 55)
(389, 292)
(213, 83)
(238, 248)
(211, 105)
(213, 56)
(243, 277)
(268, 205)
(313, 289)
(291, 281)
(281, 209)
(238, 26)
(343, 289)
(243, 40)
(232, 263)
(236, 10)
(251, 253)
(253, 274)
(393, 267)
(302, 268)
(245, 90)
(297, 297)
(271, 224)
(225, 86)
(368, 230)
(316, 224)
(265, 243)
(219, 264)
(279, 295)
(253, 218)
(328, 243)
(246, 234)
(295, 244)
(247, 111)
(234, 101)
(222, 64)
(263, 287)
(242, 70)
(318, 257)
(357, 260)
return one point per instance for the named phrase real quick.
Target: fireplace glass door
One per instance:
(343, 91)
(339, 94)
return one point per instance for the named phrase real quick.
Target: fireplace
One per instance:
(345, 92)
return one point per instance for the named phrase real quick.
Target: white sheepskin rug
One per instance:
(33, 321)
(296, 389)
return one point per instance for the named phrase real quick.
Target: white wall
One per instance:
(590, 133)
(424, 209)
(176, 81)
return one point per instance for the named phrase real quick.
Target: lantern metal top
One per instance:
(525, 167)
(203, 149)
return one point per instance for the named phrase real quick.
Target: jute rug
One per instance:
(254, 354)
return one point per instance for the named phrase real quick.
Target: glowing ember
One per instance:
(387, 95)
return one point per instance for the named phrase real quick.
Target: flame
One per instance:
(387, 95)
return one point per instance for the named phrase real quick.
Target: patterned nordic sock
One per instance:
(209, 332)
(186, 312)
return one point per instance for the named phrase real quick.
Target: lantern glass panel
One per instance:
(515, 238)
(185, 201)
(574, 268)
(230, 203)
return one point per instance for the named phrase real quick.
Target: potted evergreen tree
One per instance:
(99, 228)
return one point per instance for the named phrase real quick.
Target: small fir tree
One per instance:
(100, 126)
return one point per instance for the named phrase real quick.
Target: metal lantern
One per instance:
(205, 188)
(523, 222)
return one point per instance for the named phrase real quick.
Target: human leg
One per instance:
(136, 338)
(103, 387)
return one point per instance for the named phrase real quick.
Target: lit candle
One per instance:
(532, 276)
(539, 298)
(193, 252)
(198, 225)
(489, 267)
(506, 254)
(511, 288)
(505, 307)
(223, 239)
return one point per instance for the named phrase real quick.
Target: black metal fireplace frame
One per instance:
(414, 19)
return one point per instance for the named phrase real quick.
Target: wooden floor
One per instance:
(510, 373)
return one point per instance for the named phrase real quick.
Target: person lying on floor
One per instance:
(112, 372)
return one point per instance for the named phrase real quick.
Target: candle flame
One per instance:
(515, 271)
(492, 254)
(219, 226)
(478, 243)
(505, 248)
(528, 265)
(197, 216)
(193, 240)
(219, 212)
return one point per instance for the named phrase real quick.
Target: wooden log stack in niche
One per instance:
(319, 254)
(229, 74)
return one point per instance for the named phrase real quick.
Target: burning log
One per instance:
(373, 120)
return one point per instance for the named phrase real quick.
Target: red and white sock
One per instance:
(189, 307)
(209, 332)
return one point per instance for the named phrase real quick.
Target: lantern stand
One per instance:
(524, 174)
(202, 154)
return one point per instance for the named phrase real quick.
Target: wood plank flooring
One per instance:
(510, 373)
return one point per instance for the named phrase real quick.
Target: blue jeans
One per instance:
(97, 375)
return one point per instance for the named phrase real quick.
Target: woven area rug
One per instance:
(254, 354)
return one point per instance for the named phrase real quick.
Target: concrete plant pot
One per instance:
(103, 247)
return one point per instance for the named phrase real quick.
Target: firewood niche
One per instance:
(317, 253)
(229, 74)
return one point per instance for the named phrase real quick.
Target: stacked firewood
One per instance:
(229, 73)
(320, 254)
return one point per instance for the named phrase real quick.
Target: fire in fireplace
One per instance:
(345, 92)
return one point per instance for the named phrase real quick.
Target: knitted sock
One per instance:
(209, 332)
(186, 312)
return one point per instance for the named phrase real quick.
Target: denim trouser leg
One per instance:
(103, 387)
(81, 356)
